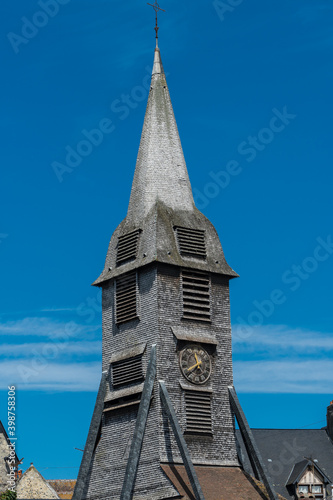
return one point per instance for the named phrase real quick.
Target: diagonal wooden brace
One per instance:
(166, 402)
(139, 431)
(250, 444)
(91, 440)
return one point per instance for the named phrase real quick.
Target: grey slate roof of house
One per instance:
(282, 449)
(297, 471)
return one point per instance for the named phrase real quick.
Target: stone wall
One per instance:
(32, 485)
(4, 469)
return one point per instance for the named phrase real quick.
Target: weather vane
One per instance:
(156, 8)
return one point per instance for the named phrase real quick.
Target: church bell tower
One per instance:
(167, 361)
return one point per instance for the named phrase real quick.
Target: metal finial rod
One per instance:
(156, 8)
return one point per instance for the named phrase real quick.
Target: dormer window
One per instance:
(310, 491)
(307, 480)
(303, 489)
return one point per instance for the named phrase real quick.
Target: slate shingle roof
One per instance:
(282, 449)
(297, 471)
(160, 172)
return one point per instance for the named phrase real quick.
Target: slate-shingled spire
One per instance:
(160, 173)
(161, 198)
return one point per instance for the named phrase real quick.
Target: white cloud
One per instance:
(39, 374)
(284, 376)
(272, 358)
(280, 359)
(79, 348)
(45, 354)
(45, 327)
(277, 339)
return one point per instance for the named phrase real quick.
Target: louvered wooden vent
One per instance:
(198, 412)
(191, 242)
(196, 296)
(125, 401)
(128, 247)
(126, 298)
(127, 371)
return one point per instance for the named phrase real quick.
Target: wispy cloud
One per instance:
(279, 339)
(52, 377)
(46, 354)
(27, 349)
(288, 376)
(44, 327)
(280, 359)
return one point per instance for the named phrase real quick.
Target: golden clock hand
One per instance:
(194, 366)
(198, 362)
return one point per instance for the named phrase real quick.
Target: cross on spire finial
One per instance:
(156, 8)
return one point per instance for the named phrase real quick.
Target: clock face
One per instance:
(195, 364)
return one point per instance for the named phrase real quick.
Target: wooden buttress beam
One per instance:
(250, 444)
(91, 440)
(166, 402)
(139, 431)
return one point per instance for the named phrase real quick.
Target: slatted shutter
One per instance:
(128, 247)
(126, 297)
(198, 412)
(196, 295)
(127, 371)
(191, 242)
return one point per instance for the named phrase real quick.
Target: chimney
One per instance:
(330, 420)
(18, 474)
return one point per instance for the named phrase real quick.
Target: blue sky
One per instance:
(251, 89)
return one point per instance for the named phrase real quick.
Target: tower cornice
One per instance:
(158, 242)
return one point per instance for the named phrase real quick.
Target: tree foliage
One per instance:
(8, 495)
